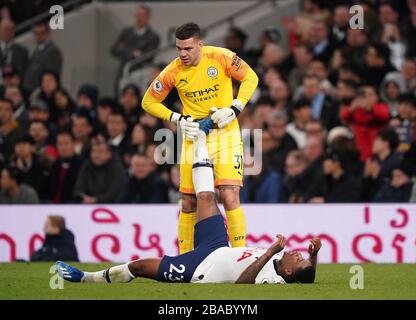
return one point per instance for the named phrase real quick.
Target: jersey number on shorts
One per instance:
(178, 276)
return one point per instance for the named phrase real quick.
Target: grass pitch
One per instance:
(381, 281)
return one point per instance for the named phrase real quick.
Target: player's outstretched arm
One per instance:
(249, 275)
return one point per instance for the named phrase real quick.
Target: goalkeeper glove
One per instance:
(222, 117)
(187, 124)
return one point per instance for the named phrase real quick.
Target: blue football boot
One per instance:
(69, 273)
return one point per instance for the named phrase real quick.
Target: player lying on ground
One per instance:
(212, 260)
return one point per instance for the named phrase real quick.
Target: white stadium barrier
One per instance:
(350, 233)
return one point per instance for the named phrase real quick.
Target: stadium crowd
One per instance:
(337, 107)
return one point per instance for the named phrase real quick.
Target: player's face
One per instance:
(292, 261)
(189, 50)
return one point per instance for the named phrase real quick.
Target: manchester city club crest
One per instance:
(212, 72)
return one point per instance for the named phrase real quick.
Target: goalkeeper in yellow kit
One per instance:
(203, 76)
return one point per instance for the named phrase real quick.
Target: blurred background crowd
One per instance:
(337, 107)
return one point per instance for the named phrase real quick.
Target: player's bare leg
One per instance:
(203, 179)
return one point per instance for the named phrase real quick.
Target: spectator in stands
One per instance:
(82, 130)
(400, 187)
(322, 47)
(280, 94)
(323, 107)
(314, 152)
(49, 83)
(11, 53)
(130, 102)
(341, 24)
(302, 56)
(235, 40)
(44, 145)
(21, 114)
(46, 57)
(64, 170)
(24, 159)
(346, 91)
(300, 184)
(408, 71)
(117, 132)
(138, 142)
(10, 78)
(391, 36)
(356, 45)
(136, 42)
(144, 185)
(377, 64)
(10, 129)
(392, 86)
(317, 68)
(59, 242)
(63, 108)
(367, 116)
(339, 186)
(406, 106)
(101, 177)
(302, 113)
(283, 141)
(13, 191)
(105, 107)
(378, 168)
(314, 129)
(174, 181)
(272, 55)
(87, 99)
(265, 187)
(410, 155)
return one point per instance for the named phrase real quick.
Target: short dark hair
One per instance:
(349, 83)
(14, 173)
(391, 137)
(407, 98)
(10, 102)
(188, 30)
(301, 103)
(302, 275)
(382, 50)
(65, 132)
(120, 113)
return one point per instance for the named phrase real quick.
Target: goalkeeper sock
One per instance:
(115, 274)
(186, 231)
(236, 225)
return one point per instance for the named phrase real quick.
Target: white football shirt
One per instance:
(226, 264)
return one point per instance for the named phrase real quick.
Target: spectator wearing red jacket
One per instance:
(366, 116)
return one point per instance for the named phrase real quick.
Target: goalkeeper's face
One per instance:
(189, 50)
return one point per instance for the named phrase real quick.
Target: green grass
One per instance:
(381, 281)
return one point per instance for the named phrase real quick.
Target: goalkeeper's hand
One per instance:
(222, 117)
(187, 124)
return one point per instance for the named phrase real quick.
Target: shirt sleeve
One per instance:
(238, 69)
(156, 93)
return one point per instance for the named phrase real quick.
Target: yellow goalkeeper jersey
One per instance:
(201, 87)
